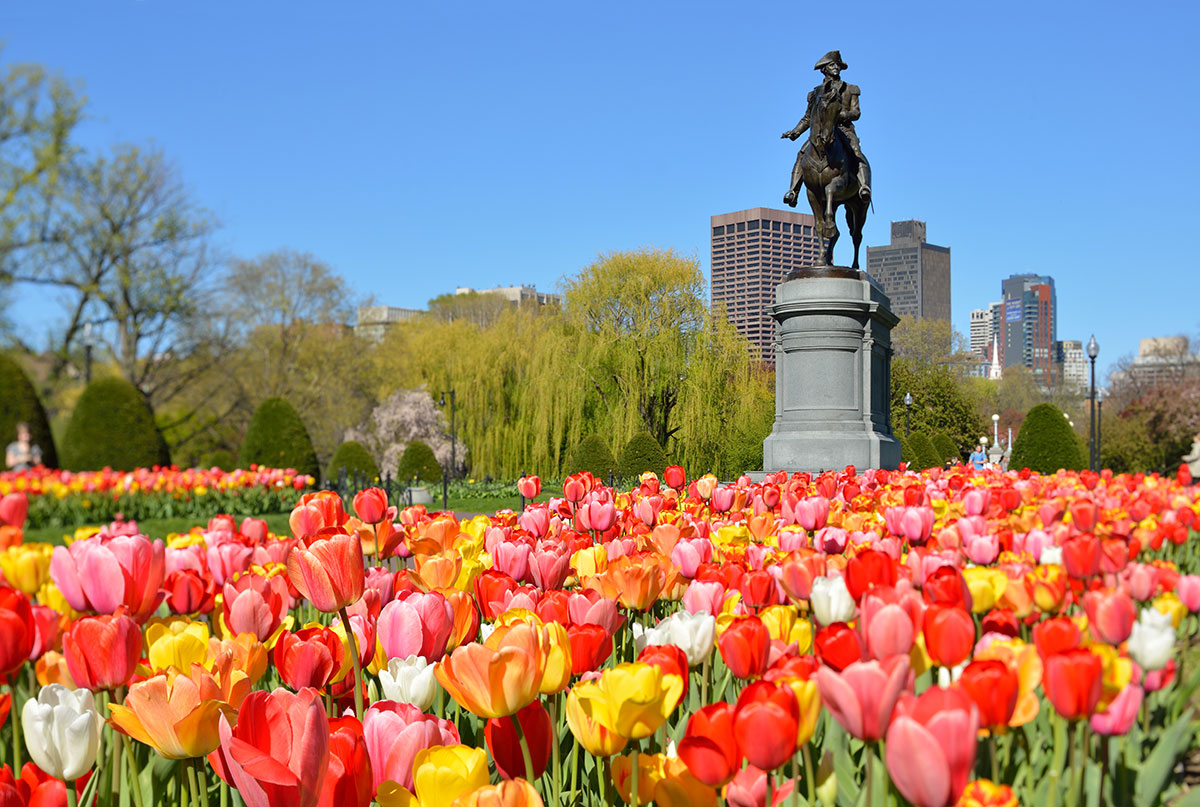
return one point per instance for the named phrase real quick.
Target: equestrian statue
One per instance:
(831, 167)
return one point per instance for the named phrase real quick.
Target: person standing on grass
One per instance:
(24, 453)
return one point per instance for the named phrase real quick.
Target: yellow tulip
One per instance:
(650, 773)
(1169, 603)
(783, 623)
(440, 775)
(590, 562)
(177, 642)
(678, 788)
(987, 585)
(27, 566)
(633, 699)
(594, 737)
(809, 701)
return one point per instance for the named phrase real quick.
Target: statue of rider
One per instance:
(831, 65)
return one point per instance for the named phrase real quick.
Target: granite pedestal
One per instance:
(833, 359)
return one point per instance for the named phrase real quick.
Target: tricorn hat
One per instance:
(833, 57)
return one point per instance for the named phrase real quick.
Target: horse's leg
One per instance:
(856, 216)
(818, 209)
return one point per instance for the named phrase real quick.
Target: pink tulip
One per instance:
(550, 565)
(382, 581)
(707, 596)
(189, 557)
(931, 746)
(512, 558)
(1188, 590)
(529, 486)
(227, 557)
(1121, 713)
(256, 604)
(104, 573)
(591, 608)
(831, 540)
(791, 539)
(535, 521)
(917, 524)
(416, 624)
(596, 516)
(888, 621)
(861, 698)
(975, 501)
(688, 554)
(395, 733)
(722, 499)
(255, 529)
(1111, 615)
(812, 513)
(982, 550)
(749, 789)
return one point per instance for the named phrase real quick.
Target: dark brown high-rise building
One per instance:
(752, 251)
(914, 273)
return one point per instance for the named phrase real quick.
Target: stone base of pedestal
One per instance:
(833, 360)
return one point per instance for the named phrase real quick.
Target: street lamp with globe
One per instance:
(1093, 350)
(907, 403)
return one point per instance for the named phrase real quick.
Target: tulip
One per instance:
(675, 477)
(13, 509)
(101, 574)
(931, 746)
(1121, 713)
(174, 713)
(371, 505)
(309, 658)
(590, 647)
(508, 793)
(668, 658)
(986, 793)
(27, 567)
(994, 688)
(1056, 635)
(17, 630)
(766, 724)
(1110, 614)
(949, 634)
(441, 775)
(189, 592)
(1152, 639)
(348, 781)
(887, 628)
(492, 683)
(176, 643)
(596, 739)
(632, 700)
(1188, 590)
(409, 680)
(704, 596)
(102, 652)
(278, 750)
(62, 731)
(831, 600)
(710, 747)
(416, 625)
(315, 512)
(695, 634)
(524, 752)
(529, 486)
(396, 733)
(512, 558)
(744, 646)
(1072, 682)
(328, 572)
(862, 696)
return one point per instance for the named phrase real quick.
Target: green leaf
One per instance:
(1154, 772)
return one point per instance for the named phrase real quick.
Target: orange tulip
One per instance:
(175, 714)
(509, 793)
(328, 572)
(638, 581)
(494, 682)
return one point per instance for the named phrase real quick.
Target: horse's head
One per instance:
(823, 124)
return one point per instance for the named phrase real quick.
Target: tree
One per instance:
(931, 341)
(403, 417)
(646, 309)
(476, 308)
(938, 403)
(19, 403)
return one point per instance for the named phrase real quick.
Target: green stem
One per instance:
(555, 751)
(574, 771)
(704, 673)
(202, 777)
(72, 800)
(131, 763)
(350, 637)
(633, 782)
(524, 749)
(870, 775)
(15, 716)
(1060, 756)
(810, 775)
(770, 789)
(602, 779)
(192, 785)
(992, 755)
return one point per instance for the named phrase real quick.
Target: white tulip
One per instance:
(694, 634)
(646, 637)
(1051, 555)
(831, 600)
(1152, 640)
(409, 680)
(62, 731)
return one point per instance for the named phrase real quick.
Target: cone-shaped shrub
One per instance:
(354, 457)
(1046, 442)
(592, 454)
(277, 438)
(642, 453)
(944, 446)
(924, 454)
(418, 460)
(112, 426)
(19, 403)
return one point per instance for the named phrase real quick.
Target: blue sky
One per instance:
(417, 147)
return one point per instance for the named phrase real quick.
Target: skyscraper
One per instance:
(752, 251)
(1029, 325)
(914, 273)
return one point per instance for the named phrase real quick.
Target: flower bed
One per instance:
(64, 499)
(885, 638)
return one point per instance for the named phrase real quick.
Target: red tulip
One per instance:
(1111, 615)
(328, 572)
(867, 569)
(1056, 635)
(13, 509)
(675, 477)
(190, 592)
(994, 688)
(529, 486)
(1002, 621)
(503, 742)
(348, 783)
(709, 747)
(102, 652)
(371, 505)
(17, 631)
(862, 696)
(315, 512)
(490, 589)
(310, 657)
(949, 634)
(744, 646)
(590, 647)
(758, 589)
(278, 753)
(670, 659)
(766, 724)
(945, 586)
(1081, 556)
(838, 646)
(1073, 682)
(549, 566)
(931, 746)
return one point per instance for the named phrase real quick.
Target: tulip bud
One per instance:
(827, 784)
(62, 731)
(409, 680)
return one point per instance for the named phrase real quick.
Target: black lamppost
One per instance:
(89, 341)
(453, 441)
(907, 403)
(1099, 424)
(1093, 350)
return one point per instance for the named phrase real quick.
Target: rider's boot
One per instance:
(864, 181)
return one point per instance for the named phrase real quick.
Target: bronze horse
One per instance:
(827, 170)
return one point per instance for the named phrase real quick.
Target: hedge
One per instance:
(418, 461)
(642, 453)
(1046, 442)
(277, 438)
(19, 403)
(112, 426)
(355, 459)
(593, 454)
